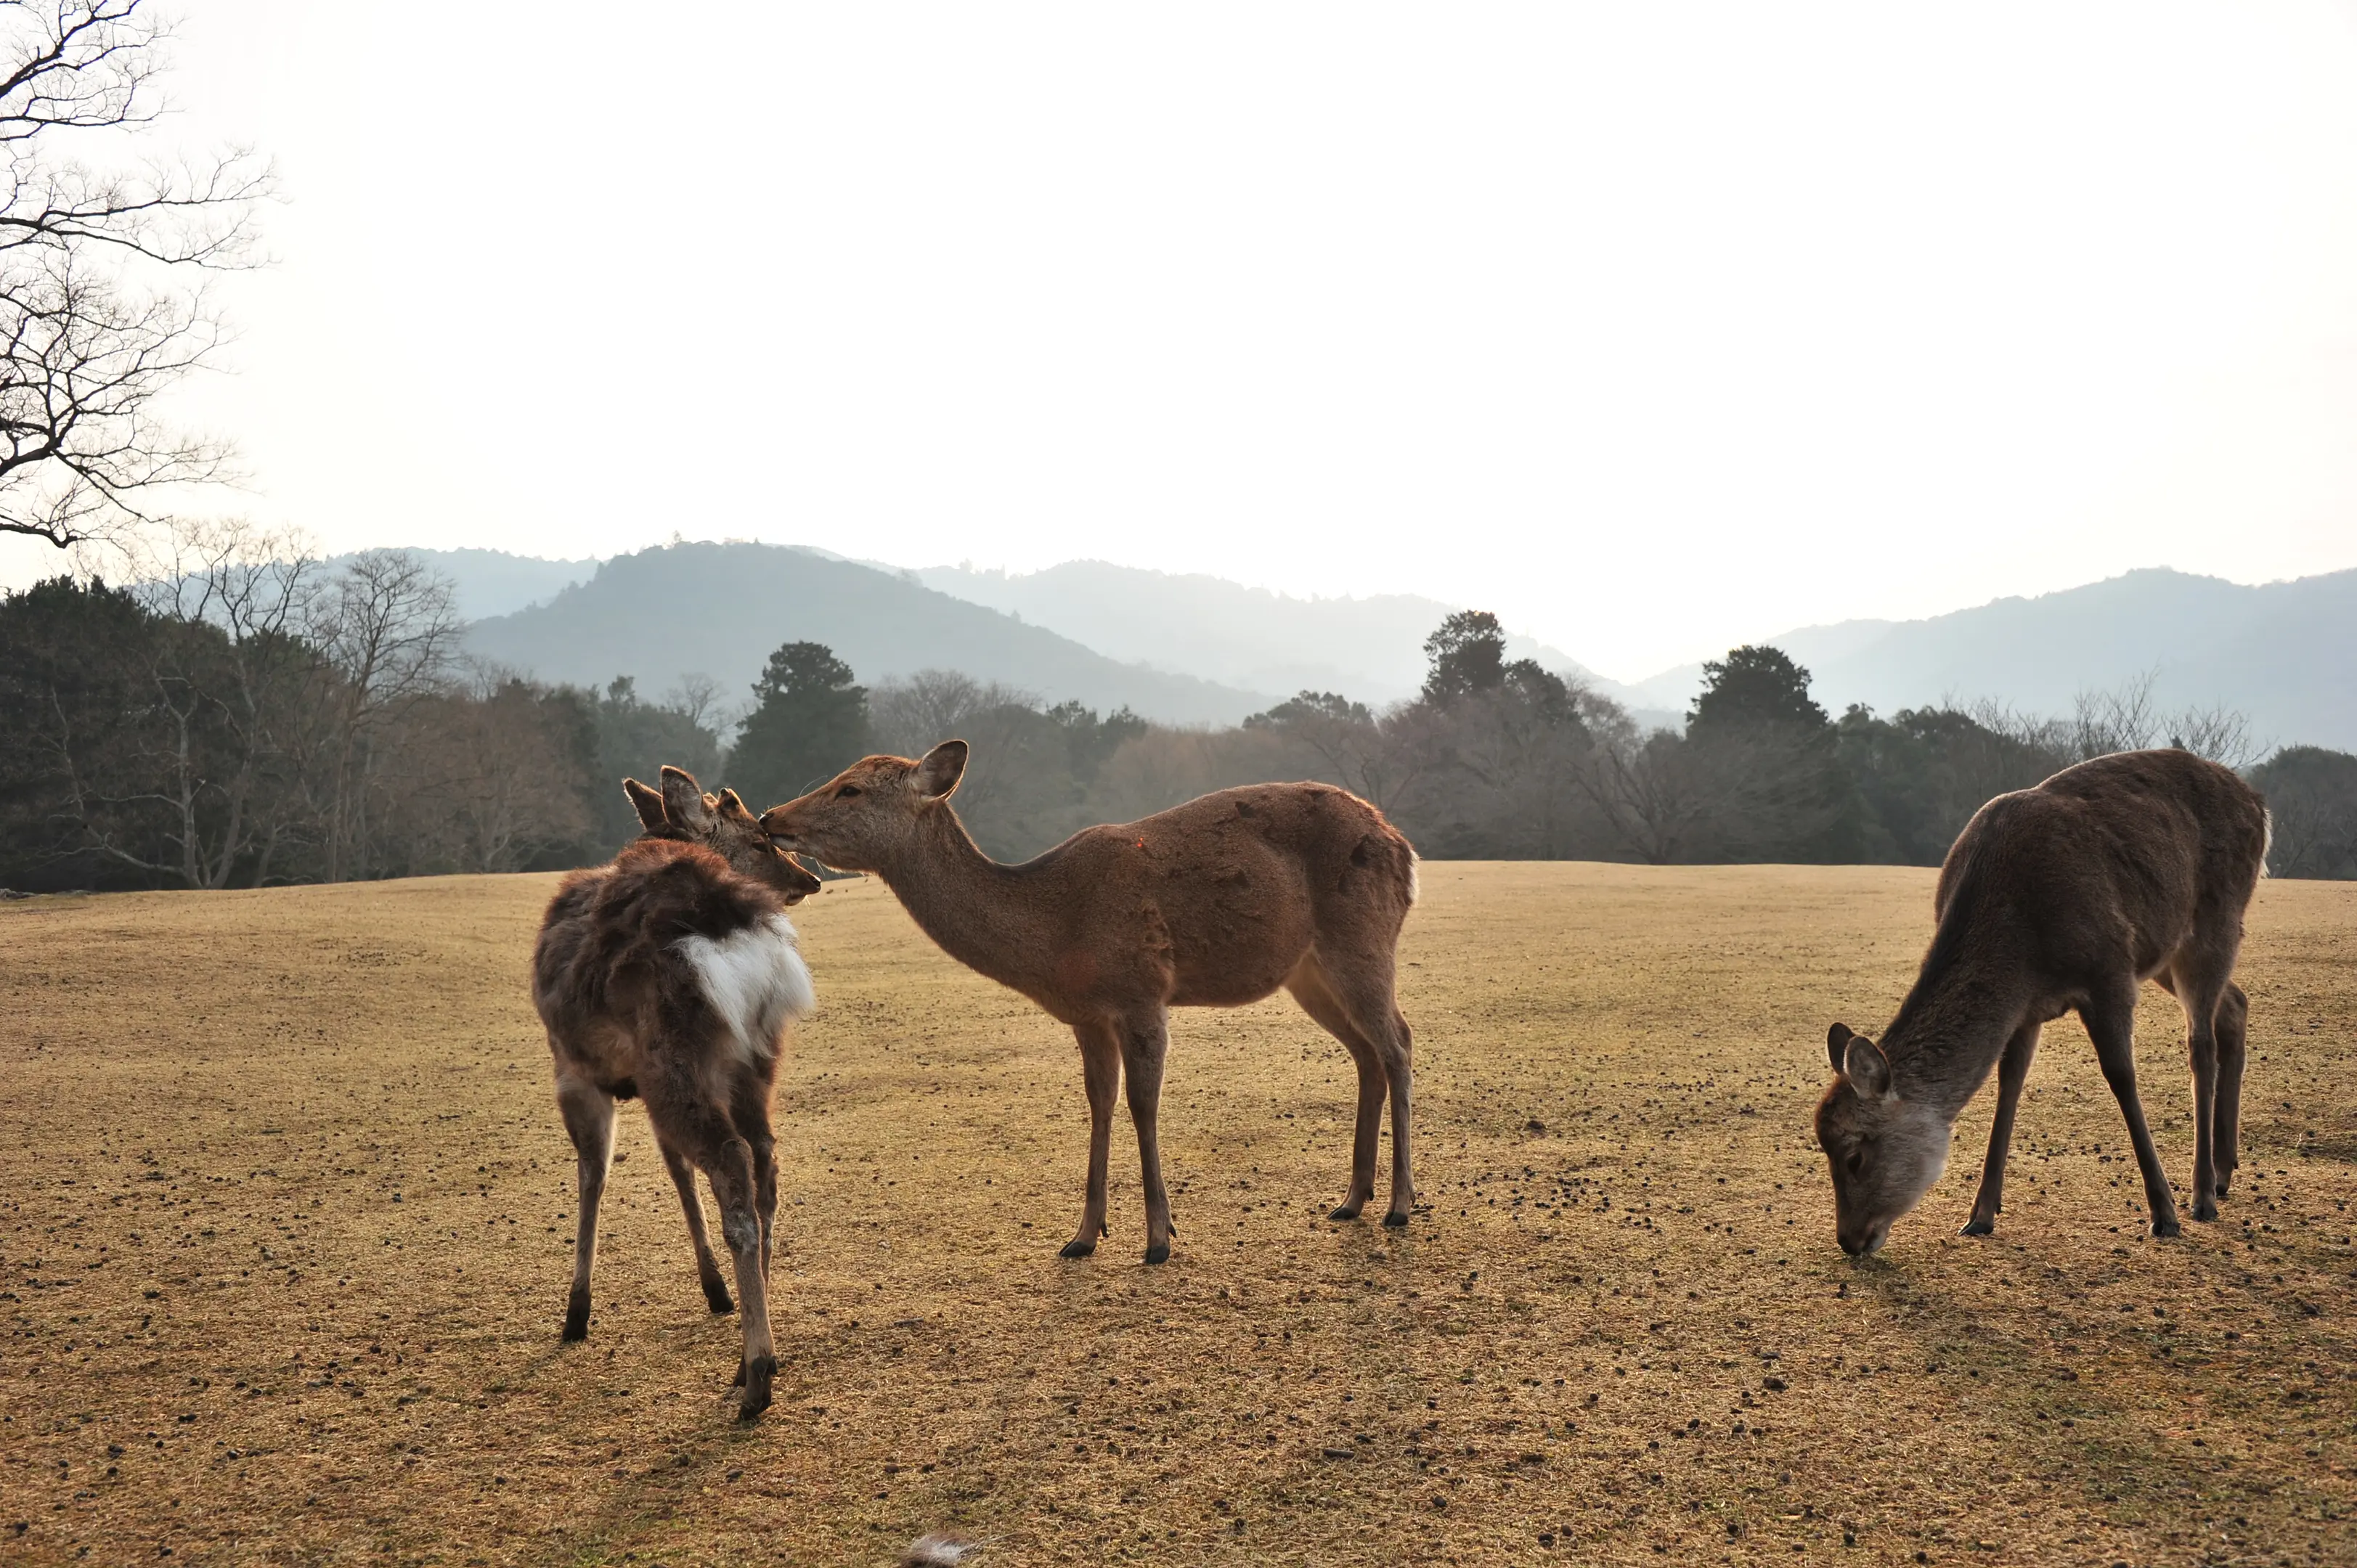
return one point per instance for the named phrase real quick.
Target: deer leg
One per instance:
(701, 1130)
(707, 1271)
(589, 1112)
(1143, 1044)
(2012, 1070)
(2226, 1116)
(749, 1108)
(1100, 1072)
(2110, 1017)
(1308, 983)
(2201, 995)
(1363, 987)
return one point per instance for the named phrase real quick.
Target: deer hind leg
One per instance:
(2226, 1116)
(2199, 984)
(2012, 1069)
(1100, 1072)
(589, 1112)
(707, 1271)
(2110, 1017)
(1145, 1042)
(1363, 985)
(1307, 983)
(704, 1133)
(749, 1108)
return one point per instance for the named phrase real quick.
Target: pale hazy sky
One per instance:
(1653, 328)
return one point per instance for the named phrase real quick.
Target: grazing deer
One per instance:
(669, 975)
(2065, 897)
(1213, 903)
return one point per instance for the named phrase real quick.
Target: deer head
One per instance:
(721, 823)
(862, 817)
(1886, 1151)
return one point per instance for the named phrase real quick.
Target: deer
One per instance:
(2063, 897)
(1216, 903)
(669, 976)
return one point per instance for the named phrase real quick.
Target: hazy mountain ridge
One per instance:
(492, 582)
(1370, 650)
(721, 610)
(2283, 654)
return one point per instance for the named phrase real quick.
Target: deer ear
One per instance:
(733, 807)
(648, 803)
(1867, 1069)
(1837, 1040)
(684, 803)
(937, 775)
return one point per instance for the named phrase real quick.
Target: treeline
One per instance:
(245, 716)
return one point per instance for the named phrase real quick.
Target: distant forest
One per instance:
(246, 716)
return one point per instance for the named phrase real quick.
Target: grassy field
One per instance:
(287, 1215)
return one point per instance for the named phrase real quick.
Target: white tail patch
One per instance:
(1415, 882)
(2267, 843)
(932, 1551)
(755, 980)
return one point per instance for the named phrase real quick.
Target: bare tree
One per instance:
(697, 699)
(96, 318)
(390, 628)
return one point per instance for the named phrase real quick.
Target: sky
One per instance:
(1653, 328)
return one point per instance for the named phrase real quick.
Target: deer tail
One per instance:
(934, 1550)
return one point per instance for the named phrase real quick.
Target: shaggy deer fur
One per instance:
(670, 975)
(2064, 897)
(1213, 903)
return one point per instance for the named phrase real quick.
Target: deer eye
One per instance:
(1856, 1163)
(847, 792)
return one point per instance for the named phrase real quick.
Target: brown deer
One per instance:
(2065, 897)
(669, 975)
(1213, 903)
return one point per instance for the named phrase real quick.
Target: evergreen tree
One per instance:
(1756, 686)
(810, 723)
(1467, 654)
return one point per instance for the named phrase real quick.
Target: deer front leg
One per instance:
(2111, 1024)
(1100, 1073)
(707, 1271)
(2012, 1070)
(588, 1113)
(1145, 1042)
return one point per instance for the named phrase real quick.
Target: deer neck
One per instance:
(1952, 1029)
(972, 907)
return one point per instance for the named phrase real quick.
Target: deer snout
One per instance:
(1863, 1240)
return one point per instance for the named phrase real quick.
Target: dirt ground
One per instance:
(286, 1218)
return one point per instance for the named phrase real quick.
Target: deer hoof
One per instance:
(1076, 1248)
(756, 1374)
(715, 1295)
(1347, 1211)
(2167, 1230)
(577, 1319)
(1981, 1224)
(1394, 1222)
(2205, 1209)
(1160, 1254)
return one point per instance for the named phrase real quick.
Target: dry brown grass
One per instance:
(283, 1250)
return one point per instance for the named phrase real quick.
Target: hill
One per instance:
(1370, 650)
(494, 582)
(2284, 654)
(720, 610)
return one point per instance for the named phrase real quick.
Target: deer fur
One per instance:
(1216, 903)
(2062, 899)
(669, 976)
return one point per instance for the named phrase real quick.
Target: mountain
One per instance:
(493, 583)
(2283, 654)
(1370, 650)
(721, 610)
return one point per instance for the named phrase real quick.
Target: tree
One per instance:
(809, 723)
(2312, 795)
(1467, 654)
(1755, 687)
(96, 322)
